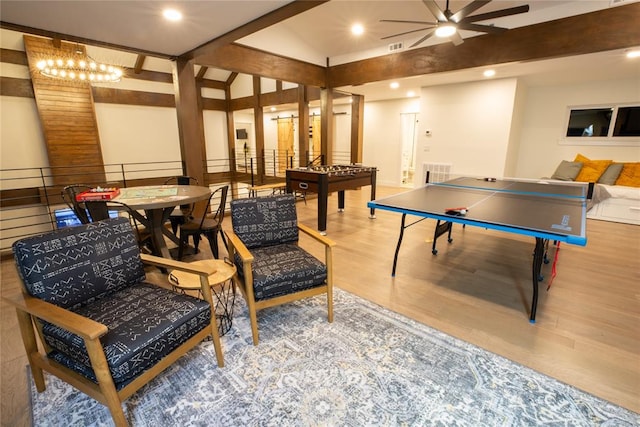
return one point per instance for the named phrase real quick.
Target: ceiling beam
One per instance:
(285, 12)
(242, 59)
(608, 29)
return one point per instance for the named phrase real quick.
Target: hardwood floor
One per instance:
(477, 288)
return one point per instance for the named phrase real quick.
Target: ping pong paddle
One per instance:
(456, 211)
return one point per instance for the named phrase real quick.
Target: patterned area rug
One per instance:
(370, 367)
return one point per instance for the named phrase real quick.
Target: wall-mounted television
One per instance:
(241, 134)
(67, 217)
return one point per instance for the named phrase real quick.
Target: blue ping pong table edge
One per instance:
(570, 239)
(449, 184)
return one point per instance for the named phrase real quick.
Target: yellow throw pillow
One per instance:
(591, 169)
(630, 175)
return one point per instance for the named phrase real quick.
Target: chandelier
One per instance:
(79, 68)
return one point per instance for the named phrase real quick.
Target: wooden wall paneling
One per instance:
(67, 116)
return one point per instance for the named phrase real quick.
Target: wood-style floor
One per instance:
(477, 288)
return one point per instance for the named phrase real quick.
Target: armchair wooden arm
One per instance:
(238, 246)
(68, 320)
(315, 234)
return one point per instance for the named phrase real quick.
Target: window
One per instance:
(627, 122)
(603, 125)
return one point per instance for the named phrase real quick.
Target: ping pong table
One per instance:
(544, 210)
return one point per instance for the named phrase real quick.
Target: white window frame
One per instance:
(609, 140)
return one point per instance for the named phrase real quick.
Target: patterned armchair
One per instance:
(272, 268)
(102, 328)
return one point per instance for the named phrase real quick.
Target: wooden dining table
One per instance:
(157, 202)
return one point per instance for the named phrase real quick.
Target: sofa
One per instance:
(616, 195)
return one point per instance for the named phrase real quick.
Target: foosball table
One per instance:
(324, 180)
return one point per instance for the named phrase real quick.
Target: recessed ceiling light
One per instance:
(357, 29)
(273, 108)
(489, 73)
(394, 85)
(411, 94)
(633, 54)
(172, 15)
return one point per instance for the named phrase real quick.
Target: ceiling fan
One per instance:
(448, 23)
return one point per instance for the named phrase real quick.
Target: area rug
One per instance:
(370, 367)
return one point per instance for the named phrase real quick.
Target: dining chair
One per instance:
(272, 268)
(88, 316)
(69, 194)
(208, 225)
(182, 213)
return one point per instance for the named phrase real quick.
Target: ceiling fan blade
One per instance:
(470, 8)
(481, 28)
(456, 39)
(426, 36)
(406, 32)
(497, 14)
(435, 10)
(401, 21)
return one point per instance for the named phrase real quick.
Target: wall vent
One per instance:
(396, 46)
(438, 172)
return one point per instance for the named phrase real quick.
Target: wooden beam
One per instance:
(110, 95)
(139, 63)
(285, 12)
(11, 86)
(17, 57)
(201, 72)
(231, 78)
(213, 84)
(607, 29)
(242, 59)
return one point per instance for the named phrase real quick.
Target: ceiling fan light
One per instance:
(445, 30)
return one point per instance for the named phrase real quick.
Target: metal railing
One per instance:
(30, 197)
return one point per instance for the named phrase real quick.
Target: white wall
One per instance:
(470, 127)
(544, 123)
(382, 137)
(134, 133)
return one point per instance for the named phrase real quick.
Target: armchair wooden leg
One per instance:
(105, 381)
(254, 322)
(31, 347)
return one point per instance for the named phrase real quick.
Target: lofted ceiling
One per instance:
(320, 35)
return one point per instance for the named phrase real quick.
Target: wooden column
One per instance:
(190, 121)
(303, 125)
(357, 120)
(326, 125)
(258, 118)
